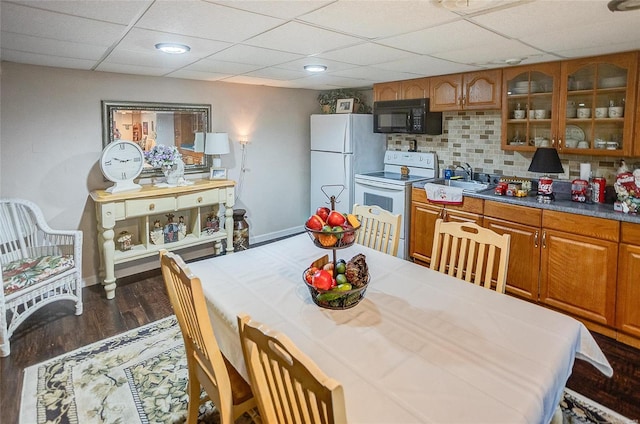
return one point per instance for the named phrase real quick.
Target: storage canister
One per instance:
(599, 184)
(240, 230)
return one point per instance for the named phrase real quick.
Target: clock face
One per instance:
(122, 161)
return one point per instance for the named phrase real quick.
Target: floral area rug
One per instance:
(141, 377)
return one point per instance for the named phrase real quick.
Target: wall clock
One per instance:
(122, 162)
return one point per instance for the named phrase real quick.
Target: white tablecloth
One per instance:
(421, 346)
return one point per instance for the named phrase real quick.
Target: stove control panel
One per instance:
(411, 159)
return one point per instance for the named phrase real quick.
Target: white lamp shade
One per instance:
(198, 142)
(216, 144)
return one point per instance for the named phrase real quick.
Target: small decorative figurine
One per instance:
(124, 241)
(157, 237)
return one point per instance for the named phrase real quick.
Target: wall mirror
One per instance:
(149, 124)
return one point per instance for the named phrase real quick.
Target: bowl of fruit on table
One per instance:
(337, 286)
(332, 229)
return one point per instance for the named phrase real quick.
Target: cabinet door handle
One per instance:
(152, 206)
(460, 100)
(535, 239)
(199, 199)
(544, 239)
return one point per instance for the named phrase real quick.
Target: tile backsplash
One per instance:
(474, 137)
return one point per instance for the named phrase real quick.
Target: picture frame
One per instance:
(218, 174)
(344, 105)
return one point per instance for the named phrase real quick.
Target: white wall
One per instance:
(50, 143)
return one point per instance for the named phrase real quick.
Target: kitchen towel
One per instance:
(585, 171)
(437, 193)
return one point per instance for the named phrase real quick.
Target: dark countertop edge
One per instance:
(598, 210)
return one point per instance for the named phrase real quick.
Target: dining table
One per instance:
(420, 347)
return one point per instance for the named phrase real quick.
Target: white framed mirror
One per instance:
(149, 124)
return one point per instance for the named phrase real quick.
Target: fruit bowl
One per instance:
(332, 239)
(332, 299)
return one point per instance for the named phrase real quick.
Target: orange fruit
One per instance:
(353, 220)
(327, 240)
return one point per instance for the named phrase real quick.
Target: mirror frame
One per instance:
(109, 107)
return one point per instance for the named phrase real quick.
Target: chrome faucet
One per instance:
(467, 170)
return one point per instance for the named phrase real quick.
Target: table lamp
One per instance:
(546, 161)
(216, 144)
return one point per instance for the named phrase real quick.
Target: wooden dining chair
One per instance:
(469, 252)
(288, 385)
(208, 368)
(379, 229)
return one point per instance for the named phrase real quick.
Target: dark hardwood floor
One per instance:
(141, 299)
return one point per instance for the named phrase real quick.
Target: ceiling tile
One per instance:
(218, 66)
(426, 66)
(47, 46)
(46, 60)
(373, 74)
(116, 11)
(451, 36)
(298, 65)
(365, 54)
(283, 9)
(376, 19)
(499, 50)
(143, 40)
(40, 23)
(303, 39)
(205, 20)
(254, 55)
(121, 68)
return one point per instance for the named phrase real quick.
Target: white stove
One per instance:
(391, 188)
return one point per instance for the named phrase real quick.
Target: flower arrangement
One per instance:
(162, 156)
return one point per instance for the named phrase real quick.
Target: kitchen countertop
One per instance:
(562, 203)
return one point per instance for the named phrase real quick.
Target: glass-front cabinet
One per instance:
(582, 106)
(530, 106)
(597, 104)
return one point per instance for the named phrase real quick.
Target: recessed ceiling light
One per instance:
(172, 48)
(315, 68)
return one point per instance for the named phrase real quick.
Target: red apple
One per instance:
(349, 235)
(315, 223)
(336, 219)
(323, 212)
(322, 280)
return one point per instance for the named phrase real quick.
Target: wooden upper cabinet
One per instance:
(468, 91)
(400, 90)
(386, 91)
(415, 88)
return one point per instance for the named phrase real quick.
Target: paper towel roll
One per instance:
(585, 171)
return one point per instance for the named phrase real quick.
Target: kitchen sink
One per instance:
(472, 185)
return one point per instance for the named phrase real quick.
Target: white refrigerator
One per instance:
(342, 145)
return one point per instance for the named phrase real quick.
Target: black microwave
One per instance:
(406, 116)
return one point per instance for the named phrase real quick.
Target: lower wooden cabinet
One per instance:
(423, 221)
(523, 225)
(579, 265)
(628, 296)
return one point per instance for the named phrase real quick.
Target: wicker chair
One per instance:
(38, 265)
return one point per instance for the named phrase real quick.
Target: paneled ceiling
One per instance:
(268, 42)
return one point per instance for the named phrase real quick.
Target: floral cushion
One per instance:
(23, 273)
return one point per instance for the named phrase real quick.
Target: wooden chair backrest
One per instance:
(204, 358)
(379, 229)
(288, 385)
(468, 251)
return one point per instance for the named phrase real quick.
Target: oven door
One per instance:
(394, 198)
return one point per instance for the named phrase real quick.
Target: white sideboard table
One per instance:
(142, 208)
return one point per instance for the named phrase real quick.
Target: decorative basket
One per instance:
(331, 299)
(333, 240)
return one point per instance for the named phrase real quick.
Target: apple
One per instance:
(323, 212)
(322, 280)
(336, 219)
(349, 234)
(315, 223)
